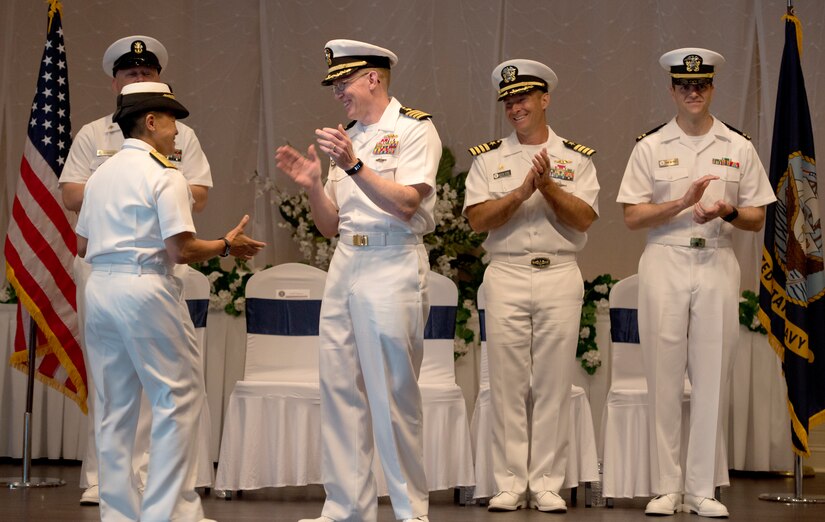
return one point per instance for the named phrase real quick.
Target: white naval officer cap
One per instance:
(134, 51)
(520, 76)
(347, 56)
(691, 65)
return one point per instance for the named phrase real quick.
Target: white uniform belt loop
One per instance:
(536, 260)
(126, 268)
(692, 242)
(379, 239)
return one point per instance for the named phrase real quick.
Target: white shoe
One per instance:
(705, 507)
(507, 501)
(90, 497)
(422, 518)
(548, 502)
(664, 504)
(319, 519)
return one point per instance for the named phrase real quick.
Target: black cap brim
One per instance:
(130, 104)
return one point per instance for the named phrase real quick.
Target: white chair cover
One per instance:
(582, 466)
(626, 444)
(272, 431)
(448, 458)
(196, 293)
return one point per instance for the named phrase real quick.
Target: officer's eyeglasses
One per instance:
(340, 86)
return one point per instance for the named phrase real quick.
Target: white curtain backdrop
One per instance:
(250, 71)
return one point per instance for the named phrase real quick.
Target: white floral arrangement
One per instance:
(596, 302)
(7, 294)
(227, 290)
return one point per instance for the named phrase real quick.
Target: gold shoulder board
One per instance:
(163, 160)
(415, 113)
(737, 131)
(651, 131)
(581, 149)
(484, 147)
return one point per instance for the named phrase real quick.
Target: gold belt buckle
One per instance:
(697, 242)
(540, 262)
(360, 240)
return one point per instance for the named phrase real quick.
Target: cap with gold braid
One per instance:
(347, 56)
(691, 65)
(520, 76)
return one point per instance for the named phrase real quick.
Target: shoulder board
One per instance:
(651, 131)
(414, 113)
(737, 131)
(163, 160)
(484, 147)
(350, 124)
(581, 149)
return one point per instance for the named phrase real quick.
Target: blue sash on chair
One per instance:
(282, 316)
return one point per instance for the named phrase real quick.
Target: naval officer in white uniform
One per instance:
(134, 226)
(690, 182)
(128, 60)
(379, 196)
(536, 195)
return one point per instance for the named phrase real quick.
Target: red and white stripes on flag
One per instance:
(40, 243)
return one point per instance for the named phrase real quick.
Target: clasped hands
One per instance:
(701, 213)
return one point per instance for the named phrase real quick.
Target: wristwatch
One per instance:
(733, 215)
(355, 168)
(227, 247)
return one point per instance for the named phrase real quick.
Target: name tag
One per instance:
(502, 174)
(292, 293)
(669, 162)
(101, 153)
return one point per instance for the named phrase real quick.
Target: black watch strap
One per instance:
(227, 247)
(355, 168)
(733, 215)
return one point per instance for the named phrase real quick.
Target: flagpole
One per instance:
(797, 497)
(27, 481)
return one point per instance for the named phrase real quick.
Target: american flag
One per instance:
(40, 243)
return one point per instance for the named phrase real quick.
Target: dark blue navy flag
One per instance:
(792, 281)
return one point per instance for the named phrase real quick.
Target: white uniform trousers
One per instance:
(139, 335)
(688, 319)
(88, 469)
(371, 345)
(532, 322)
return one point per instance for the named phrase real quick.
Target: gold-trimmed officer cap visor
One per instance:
(522, 85)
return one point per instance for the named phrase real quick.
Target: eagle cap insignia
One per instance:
(138, 46)
(692, 62)
(328, 55)
(509, 73)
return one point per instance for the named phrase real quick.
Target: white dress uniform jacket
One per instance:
(533, 310)
(373, 316)
(95, 143)
(139, 335)
(688, 295)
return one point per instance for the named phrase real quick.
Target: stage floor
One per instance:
(60, 504)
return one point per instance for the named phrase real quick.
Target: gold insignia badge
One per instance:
(669, 162)
(138, 47)
(328, 56)
(692, 62)
(509, 73)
